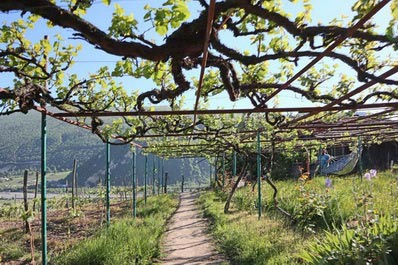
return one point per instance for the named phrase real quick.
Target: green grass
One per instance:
(320, 216)
(246, 240)
(9, 244)
(126, 241)
(323, 207)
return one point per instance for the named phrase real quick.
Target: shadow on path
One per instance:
(186, 241)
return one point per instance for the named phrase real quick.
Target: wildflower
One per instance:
(328, 183)
(373, 173)
(368, 176)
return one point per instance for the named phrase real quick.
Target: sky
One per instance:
(90, 59)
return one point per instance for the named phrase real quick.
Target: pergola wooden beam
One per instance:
(346, 125)
(329, 106)
(75, 123)
(223, 111)
(209, 28)
(316, 138)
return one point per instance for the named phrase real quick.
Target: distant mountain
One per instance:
(20, 143)
(20, 149)
(92, 172)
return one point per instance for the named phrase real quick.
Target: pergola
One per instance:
(383, 119)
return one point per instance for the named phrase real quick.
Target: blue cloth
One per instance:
(324, 160)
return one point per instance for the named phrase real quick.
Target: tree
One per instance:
(276, 44)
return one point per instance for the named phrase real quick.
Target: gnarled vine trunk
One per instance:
(228, 202)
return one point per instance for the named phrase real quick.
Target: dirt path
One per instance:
(186, 241)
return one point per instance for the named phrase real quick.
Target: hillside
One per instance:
(20, 143)
(90, 173)
(20, 150)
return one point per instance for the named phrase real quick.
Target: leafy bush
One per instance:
(369, 243)
(346, 215)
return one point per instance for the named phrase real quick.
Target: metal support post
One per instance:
(210, 168)
(234, 164)
(158, 175)
(134, 185)
(108, 183)
(259, 173)
(162, 177)
(153, 175)
(360, 166)
(223, 170)
(44, 188)
(145, 178)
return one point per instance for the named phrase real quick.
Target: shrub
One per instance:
(369, 243)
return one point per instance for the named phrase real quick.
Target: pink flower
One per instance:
(373, 173)
(368, 176)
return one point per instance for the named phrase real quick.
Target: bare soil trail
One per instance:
(186, 240)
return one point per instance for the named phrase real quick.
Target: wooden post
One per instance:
(25, 197)
(36, 189)
(182, 183)
(67, 191)
(165, 181)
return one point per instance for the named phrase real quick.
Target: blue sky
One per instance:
(90, 59)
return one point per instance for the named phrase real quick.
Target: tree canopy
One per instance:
(254, 48)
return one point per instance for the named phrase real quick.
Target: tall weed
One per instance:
(126, 241)
(246, 240)
(369, 243)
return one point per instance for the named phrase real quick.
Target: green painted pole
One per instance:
(145, 178)
(216, 172)
(234, 164)
(153, 175)
(108, 184)
(210, 170)
(44, 188)
(360, 166)
(223, 170)
(134, 185)
(162, 177)
(158, 175)
(259, 173)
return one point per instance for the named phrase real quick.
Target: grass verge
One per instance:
(246, 240)
(126, 241)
